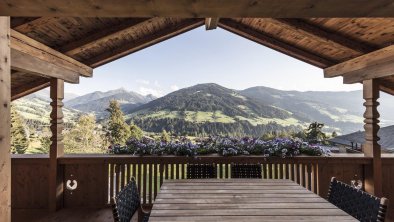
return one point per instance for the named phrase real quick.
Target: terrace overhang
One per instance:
(48, 42)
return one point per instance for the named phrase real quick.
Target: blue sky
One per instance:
(200, 56)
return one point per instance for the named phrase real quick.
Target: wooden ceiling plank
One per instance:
(105, 34)
(31, 24)
(29, 88)
(147, 41)
(30, 46)
(374, 58)
(27, 63)
(199, 8)
(273, 43)
(18, 21)
(211, 23)
(326, 36)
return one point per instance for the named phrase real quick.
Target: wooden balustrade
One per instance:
(101, 177)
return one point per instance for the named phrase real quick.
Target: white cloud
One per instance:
(174, 87)
(146, 91)
(143, 81)
(157, 83)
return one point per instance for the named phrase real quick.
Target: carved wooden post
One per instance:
(371, 148)
(5, 123)
(57, 146)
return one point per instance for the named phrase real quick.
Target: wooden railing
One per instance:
(100, 177)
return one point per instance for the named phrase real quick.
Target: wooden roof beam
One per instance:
(27, 45)
(377, 64)
(326, 36)
(27, 63)
(273, 43)
(199, 8)
(29, 88)
(134, 46)
(101, 36)
(211, 23)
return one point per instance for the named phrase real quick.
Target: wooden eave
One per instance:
(322, 42)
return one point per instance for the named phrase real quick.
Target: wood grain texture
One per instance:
(199, 200)
(27, 63)
(372, 59)
(5, 122)
(270, 41)
(199, 8)
(25, 44)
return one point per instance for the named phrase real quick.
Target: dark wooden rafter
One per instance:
(33, 48)
(19, 21)
(323, 35)
(273, 43)
(377, 64)
(147, 41)
(29, 24)
(29, 88)
(27, 63)
(92, 40)
(211, 23)
(199, 8)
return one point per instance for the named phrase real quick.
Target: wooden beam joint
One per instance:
(211, 23)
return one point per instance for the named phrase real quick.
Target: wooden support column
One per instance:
(371, 148)
(57, 146)
(5, 123)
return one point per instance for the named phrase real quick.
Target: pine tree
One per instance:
(119, 131)
(19, 134)
(136, 132)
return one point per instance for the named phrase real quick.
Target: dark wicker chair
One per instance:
(201, 171)
(246, 171)
(357, 203)
(127, 202)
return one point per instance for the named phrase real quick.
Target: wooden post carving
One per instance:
(371, 147)
(57, 146)
(5, 122)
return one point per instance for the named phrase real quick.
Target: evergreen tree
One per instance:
(136, 132)
(119, 131)
(314, 133)
(45, 140)
(19, 134)
(165, 136)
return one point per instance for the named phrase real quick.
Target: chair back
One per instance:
(201, 171)
(357, 203)
(126, 203)
(246, 171)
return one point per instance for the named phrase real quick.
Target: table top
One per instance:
(241, 200)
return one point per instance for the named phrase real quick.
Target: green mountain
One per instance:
(212, 109)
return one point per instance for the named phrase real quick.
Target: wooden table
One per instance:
(241, 200)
